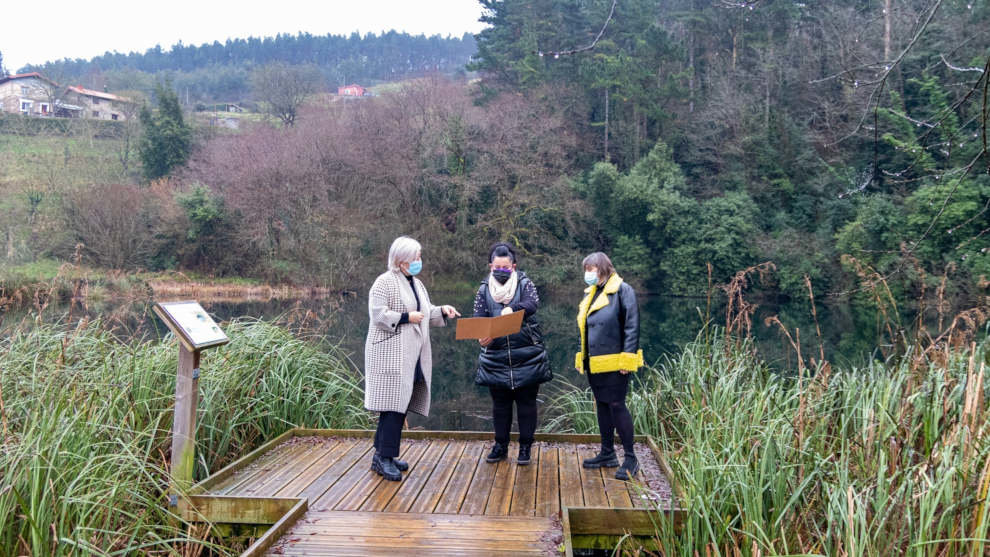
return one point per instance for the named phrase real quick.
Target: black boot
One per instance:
(604, 459)
(400, 464)
(630, 465)
(385, 467)
(524, 451)
(499, 452)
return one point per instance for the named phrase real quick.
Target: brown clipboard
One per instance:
(489, 327)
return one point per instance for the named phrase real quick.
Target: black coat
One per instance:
(611, 328)
(520, 359)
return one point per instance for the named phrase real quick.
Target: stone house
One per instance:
(98, 105)
(32, 94)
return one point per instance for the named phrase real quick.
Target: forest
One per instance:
(222, 71)
(842, 141)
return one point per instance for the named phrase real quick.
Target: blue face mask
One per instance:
(415, 267)
(591, 277)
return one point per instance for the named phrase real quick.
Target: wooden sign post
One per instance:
(196, 331)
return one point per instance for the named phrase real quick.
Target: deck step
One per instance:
(325, 533)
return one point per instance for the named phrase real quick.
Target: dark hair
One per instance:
(501, 249)
(600, 260)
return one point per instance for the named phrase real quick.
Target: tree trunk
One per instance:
(887, 15)
(691, 73)
(606, 126)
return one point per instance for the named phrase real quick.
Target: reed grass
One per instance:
(85, 421)
(887, 459)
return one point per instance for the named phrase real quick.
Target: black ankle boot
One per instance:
(385, 467)
(630, 465)
(499, 452)
(523, 458)
(604, 459)
(400, 464)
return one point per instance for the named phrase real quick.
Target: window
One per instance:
(26, 106)
(96, 114)
(44, 108)
(24, 90)
(113, 116)
(96, 100)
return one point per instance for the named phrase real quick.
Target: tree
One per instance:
(3, 70)
(167, 139)
(284, 88)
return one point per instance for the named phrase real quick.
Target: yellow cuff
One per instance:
(615, 362)
(579, 362)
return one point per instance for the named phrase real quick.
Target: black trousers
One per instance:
(525, 400)
(388, 435)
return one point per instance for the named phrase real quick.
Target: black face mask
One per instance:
(501, 276)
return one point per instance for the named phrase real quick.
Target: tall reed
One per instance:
(86, 420)
(887, 459)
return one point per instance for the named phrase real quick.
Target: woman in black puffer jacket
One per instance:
(511, 367)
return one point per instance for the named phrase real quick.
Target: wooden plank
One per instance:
(368, 485)
(675, 488)
(616, 490)
(233, 468)
(578, 438)
(406, 491)
(321, 459)
(332, 497)
(638, 497)
(349, 551)
(351, 452)
(419, 471)
(457, 488)
(429, 496)
(255, 476)
(571, 494)
(239, 476)
(271, 536)
(548, 483)
(234, 510)
(267, 486)
(609, 521)
(500, 500)
(481, 486)
(427, 544)
(524, 489)
(591, 481)
(333, 519)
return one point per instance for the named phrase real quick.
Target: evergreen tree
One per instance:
(167, 139)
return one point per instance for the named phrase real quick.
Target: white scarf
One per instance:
(503, 293)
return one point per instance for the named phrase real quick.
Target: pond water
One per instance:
(667, 324)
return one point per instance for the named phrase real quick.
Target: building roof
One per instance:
(91, 93)
(26, 76)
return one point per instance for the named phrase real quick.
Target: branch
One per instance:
(559, 53)
(957, 68)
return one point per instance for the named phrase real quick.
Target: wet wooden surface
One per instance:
(451, 501)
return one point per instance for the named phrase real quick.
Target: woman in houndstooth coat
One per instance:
(398, 362)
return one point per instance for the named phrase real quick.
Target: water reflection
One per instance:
(850, 336)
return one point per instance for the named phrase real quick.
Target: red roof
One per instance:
(25, 76)
(90, 92)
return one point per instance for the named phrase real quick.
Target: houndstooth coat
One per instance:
(391, 350)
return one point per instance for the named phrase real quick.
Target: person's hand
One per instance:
(624, 371)
(485, 341)
(450, 311)
(415, 317)
(506, 310)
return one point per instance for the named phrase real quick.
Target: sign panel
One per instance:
(190, 322)
(489, 327)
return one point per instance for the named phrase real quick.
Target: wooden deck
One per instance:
(318, 490)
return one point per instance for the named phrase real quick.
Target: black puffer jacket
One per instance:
(520, 359)
(609, 326)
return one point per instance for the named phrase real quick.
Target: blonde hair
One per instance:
(602, 262)
(403, 250)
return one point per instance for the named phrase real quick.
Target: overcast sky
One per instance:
(62, 29)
